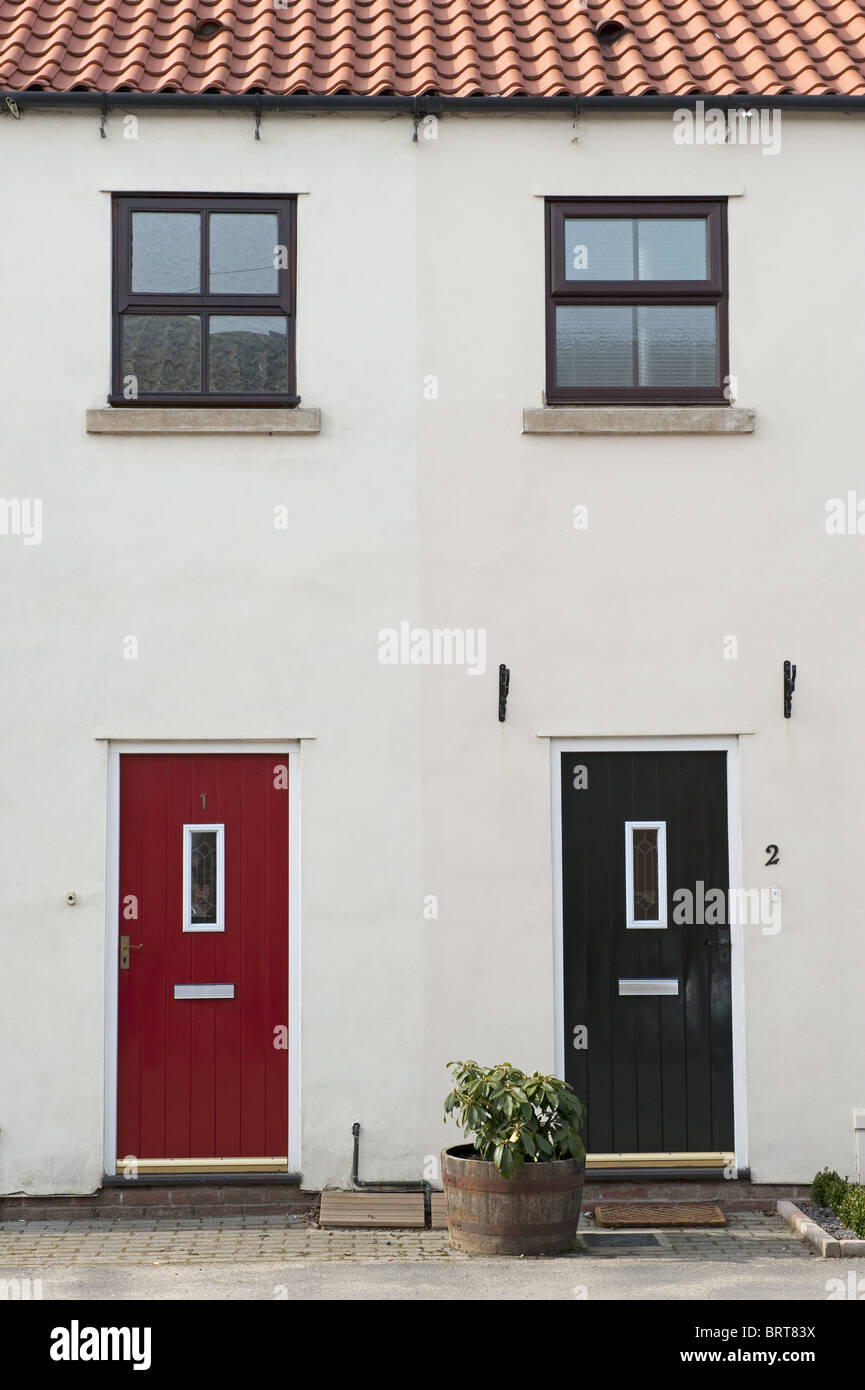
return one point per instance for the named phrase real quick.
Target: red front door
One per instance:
(203, 957)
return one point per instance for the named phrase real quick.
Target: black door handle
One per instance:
(723, 947)
(722, 939)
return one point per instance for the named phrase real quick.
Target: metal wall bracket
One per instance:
(104, 118)
(258, 121)
(575, 138)
(789, 687)
(504, 687)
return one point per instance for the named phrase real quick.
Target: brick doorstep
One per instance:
(203, 1202)
(161, 1203)
(733, 1196)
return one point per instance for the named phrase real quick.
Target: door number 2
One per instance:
(772, 851)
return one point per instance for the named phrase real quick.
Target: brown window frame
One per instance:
(126, 301)
(712, 291)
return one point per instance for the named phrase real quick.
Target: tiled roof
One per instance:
(455, 48)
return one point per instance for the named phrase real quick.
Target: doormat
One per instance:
(372, 1209)
(659, 1214)
(608, 1240)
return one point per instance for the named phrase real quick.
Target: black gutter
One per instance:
(422, 105)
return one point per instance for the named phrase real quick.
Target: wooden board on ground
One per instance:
(632, 1214)
(438, 1212)
(372, 1209)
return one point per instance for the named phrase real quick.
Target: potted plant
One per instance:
(516, 1189)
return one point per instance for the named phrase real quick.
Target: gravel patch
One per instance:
(827, 1221)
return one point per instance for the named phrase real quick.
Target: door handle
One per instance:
(125, 948)
(723, 944)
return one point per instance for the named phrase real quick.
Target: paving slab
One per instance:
(44, 1245)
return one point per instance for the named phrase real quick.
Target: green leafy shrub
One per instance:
(851, 1209)
(846, 1199)
(828, 1189)
(514, 1117)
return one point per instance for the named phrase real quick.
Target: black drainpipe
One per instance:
(421, 1186)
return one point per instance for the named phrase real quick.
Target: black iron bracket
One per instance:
(420, 109)
(578, 111)
(258, 120)
(104, 118)
(789, 687)
(504, 687)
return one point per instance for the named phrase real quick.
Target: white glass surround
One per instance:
(645, 874)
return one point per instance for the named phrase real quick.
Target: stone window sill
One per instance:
(638, 419)
(203, 420)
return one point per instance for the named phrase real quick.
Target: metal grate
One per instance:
(631, 1214)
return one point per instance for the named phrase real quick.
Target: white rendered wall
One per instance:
(419, 260)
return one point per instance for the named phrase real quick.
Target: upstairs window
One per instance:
(203, 301)
(637, 301)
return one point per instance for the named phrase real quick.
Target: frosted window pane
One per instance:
(595, 345)
(162, 352)
(677, 345)
(672, 248)
(599, 248)
(166, 253)
(242, 253)
(248, 354)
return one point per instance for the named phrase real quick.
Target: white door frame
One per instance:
(730, 746)
(289, 750)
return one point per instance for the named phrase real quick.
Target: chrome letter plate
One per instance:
(204, 991)
(648, 987)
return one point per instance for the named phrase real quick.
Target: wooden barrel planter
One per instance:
(535, 1213)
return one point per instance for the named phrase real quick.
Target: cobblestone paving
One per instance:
(237, 1240)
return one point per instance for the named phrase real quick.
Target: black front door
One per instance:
(647, 1008)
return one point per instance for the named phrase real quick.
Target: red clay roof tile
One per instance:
(452, 47)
